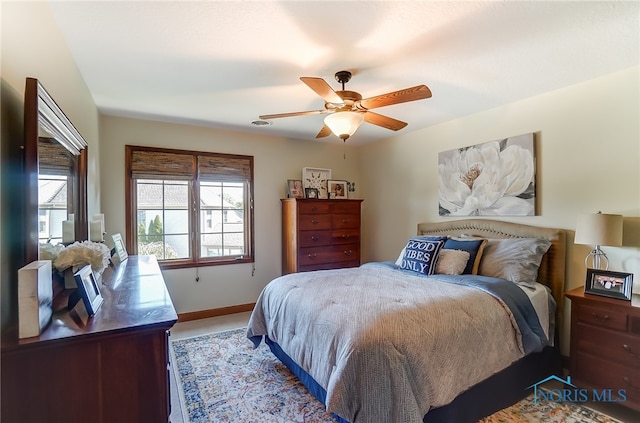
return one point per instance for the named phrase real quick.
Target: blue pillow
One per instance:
(474, 246)
(421, 254)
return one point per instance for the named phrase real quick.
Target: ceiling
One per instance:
(224, 63)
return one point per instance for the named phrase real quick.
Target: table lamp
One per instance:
(598, 229)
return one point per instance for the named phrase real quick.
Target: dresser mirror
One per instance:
(56, 173)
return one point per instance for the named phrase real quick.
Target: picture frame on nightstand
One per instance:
(609, 284)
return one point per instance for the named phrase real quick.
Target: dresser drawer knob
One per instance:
(315, 238)
(314, 209)
(346, 236)
(347, 252)
(346, 220)
(601, 317)
(630, 351)
(631, 385)
(315, 222)
(312, 255)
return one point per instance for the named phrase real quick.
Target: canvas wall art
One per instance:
(495, 178)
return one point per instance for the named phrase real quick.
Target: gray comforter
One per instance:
(387, 345)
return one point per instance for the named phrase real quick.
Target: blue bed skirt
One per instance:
(499, 391)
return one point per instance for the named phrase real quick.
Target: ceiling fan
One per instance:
(346, 110)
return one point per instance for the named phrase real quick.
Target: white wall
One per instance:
(33, 46)
(275, 161)
(588, 159)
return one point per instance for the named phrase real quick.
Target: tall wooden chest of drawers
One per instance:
(605, 345)
(320, 234)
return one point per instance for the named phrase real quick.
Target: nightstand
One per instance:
(605, 344)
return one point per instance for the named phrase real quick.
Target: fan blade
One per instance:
(323, 89)
(418, 92)
(324, 132)
(384, 121)
(281, 115)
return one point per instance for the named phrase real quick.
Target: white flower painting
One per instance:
(496, 178)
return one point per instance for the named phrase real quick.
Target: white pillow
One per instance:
(452, 262)
(513, 259)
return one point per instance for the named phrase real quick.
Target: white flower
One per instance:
(486, 181)
(49, 251)
(82, 253)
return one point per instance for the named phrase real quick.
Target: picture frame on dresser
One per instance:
(314, 177)
(89, 289)
(118, 248)
(294, 188)
(311, 193)
(337, 189)
(609, 283)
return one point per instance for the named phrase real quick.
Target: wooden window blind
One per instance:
(156, 164)
(224, 168)
(54, 159)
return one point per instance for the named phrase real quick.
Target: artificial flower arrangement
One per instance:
(77, 255)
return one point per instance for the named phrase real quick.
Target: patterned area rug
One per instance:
(221, 378)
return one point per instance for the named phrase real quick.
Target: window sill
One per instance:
(183, 264)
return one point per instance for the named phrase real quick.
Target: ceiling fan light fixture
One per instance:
(344, 124)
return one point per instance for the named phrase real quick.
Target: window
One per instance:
(189, 208)
(56, 169)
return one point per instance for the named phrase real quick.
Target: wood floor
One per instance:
(234, 321)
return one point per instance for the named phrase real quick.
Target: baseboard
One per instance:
(215, 312)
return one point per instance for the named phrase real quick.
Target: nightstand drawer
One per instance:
(624, 349)
(607, 374)
(603, 317)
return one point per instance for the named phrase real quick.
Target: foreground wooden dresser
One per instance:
(320, 234)
(605, 345)
(113, 369)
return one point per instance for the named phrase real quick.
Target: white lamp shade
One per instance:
(344, 124)
(599, 229)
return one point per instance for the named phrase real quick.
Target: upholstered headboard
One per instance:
(552, 268)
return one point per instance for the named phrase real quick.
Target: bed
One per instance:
(386, 342)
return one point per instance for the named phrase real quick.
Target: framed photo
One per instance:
(313, 177)
(295, 188)
(609, 284)
(337, 189)
(311, 192)
(119, 248)
(89, 290)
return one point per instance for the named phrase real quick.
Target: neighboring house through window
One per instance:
(189, 208)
